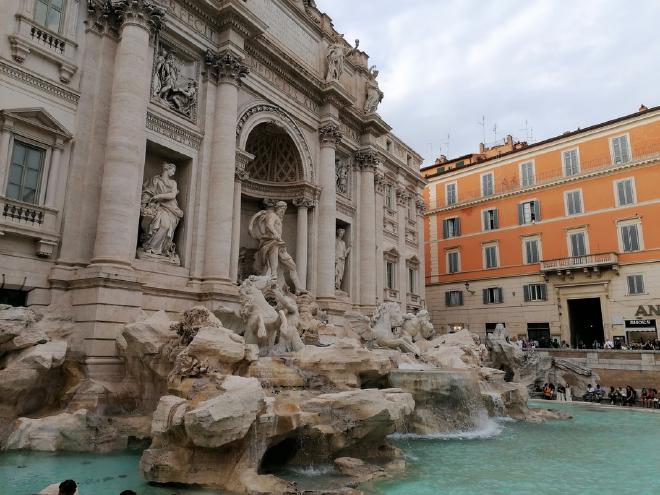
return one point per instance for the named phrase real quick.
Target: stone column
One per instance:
(119, 206)
(303, 205)
(229, 71)
(241, 175)
(54, 174)
(330, 137)
(367, 162)
(421, 272)
(402, 203)
(5, 156)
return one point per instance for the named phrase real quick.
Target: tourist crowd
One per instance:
(623, 396)
(547, 343)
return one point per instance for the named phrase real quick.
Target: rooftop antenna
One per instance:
(483, 128)
(529, 132)
(495, 132)
(446, 143)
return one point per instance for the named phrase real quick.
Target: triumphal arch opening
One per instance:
(156, 154)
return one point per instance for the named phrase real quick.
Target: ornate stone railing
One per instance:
(581, 262)
(33, 221)
(391, 294)
(21, 213)
(413, 299)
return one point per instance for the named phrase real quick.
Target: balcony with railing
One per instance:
(32, 221)
(588, 263)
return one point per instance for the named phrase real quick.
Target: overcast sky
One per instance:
(556, 64)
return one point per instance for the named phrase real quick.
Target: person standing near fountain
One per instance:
(67, 487)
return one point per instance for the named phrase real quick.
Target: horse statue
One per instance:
(419, 326)
(385, 325)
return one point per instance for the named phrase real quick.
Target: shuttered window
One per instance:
(620, 150)
(451, 227)
(528, 212)
(490, 256)
(487, 185)
(535, 292)
(635, 284)
(573, 202)
(491, 219)
(630, 238)
(451, 194)
(492, 295)
(625, 192)
(571, 163)
(532, 254)
(527, 178)
(454, 298)
(453, 262)
(578, 243)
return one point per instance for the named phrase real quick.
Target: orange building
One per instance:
(559, 239)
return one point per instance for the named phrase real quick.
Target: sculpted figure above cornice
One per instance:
(114, 14)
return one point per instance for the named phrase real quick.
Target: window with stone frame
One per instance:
(630, 236)
(451, 193)
(535, 292)
(527, 174)
(573, 202)
(625, 192)
(390, 275)
(491, 256)
(487, 184)
(620, 149)
(491, 219)
(532, 250)
(578, 243)
(451, 227)
(453, 261)
(492, 295)
(529, 212)
(25, 172)
(571, 161)
(50, 14)
(389, 196)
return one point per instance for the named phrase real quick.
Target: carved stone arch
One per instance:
(264, 113)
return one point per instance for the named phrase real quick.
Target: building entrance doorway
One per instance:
(586, 322)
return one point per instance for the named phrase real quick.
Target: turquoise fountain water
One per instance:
(599, 451)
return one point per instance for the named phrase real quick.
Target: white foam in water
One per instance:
(311, 471)
(488, 428)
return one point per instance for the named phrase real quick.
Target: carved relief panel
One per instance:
(175, 79)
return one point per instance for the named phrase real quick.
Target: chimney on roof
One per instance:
(441, 159)
(509, 140)
(482, 148)
(643, 108)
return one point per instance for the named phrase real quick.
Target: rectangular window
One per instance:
(535, 292)
(411, 209)
(451, 227)
(630, 241)
(412, 281)
(490, 256)
(635, 284)
(25, 173)
(578, 243)
(454, 298)
(571, 163)
(49, 13)
(527, 176)
(529, 212)
(620, 150)
(487, 184)
(453, 262)
(532, 251)
(491, 219)
(573, 201)
(451, 193)
(625, 192)
(492, 295)
(390, 269)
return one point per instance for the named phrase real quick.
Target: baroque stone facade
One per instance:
(249, 103)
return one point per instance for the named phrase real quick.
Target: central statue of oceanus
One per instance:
(266, 227)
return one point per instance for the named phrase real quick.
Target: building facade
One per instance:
(139, 137)
(557, 239)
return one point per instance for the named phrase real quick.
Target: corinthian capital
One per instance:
(144, 13)
(226, 67)
(367, 160)
(330, 134)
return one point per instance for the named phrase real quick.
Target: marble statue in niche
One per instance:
(174, 83)
(341, 175)
(160, 216)
(374, 94)
(341, 255)
(336, 58)
(266, 227)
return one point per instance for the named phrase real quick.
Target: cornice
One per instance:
(554, 183)
(39, 83)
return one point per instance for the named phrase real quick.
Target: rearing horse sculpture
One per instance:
(388, 316)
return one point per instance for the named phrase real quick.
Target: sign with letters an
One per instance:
(648, 310)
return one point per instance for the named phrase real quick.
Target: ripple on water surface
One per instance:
(600, 451)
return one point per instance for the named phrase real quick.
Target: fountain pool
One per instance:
(598, 451)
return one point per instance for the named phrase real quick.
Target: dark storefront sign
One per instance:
(640, 324)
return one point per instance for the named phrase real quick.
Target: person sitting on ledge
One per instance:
(631, 396)
(547, 392)
(613, 395)
(599, 393)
